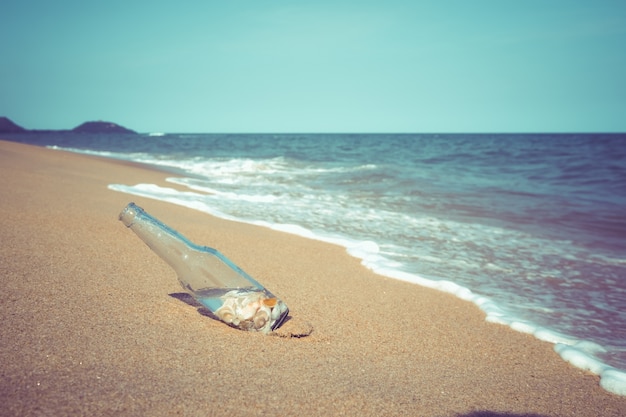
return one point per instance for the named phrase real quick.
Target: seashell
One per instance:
(269, 302)
(231, 295)
(261, 318)
(246, 325)
(250, 297)
(226, 314)
(248, 312)
(275, 312)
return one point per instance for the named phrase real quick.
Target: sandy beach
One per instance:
(94, 323)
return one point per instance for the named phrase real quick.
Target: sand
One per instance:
(94, 323)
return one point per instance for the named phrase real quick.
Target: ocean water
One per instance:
(530, 227)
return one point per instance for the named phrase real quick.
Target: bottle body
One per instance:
(212, 279)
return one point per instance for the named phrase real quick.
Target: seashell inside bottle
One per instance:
(232, 295)
(244, 308)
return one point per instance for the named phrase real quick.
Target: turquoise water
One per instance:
(532, 228)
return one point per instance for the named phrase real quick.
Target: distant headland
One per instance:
(8, 126)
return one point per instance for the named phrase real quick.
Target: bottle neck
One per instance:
(168, 244)
(197, 267)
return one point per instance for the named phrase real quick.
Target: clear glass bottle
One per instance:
(212, 279)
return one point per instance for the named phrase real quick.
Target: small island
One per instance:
(101, 127)
(8, 126)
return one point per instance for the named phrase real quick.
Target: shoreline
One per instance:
(581, 353)
(81, 335)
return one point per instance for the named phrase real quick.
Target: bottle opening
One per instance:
(127, 216)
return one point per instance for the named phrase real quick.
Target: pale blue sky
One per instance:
(316, 66)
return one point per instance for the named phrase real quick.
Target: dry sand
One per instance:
(94, 323)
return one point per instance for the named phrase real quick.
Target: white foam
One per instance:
(170, 195)
(611, 379)
(265, 198)
(364, 250)
(614, 380)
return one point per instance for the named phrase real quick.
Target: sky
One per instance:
(245, 66)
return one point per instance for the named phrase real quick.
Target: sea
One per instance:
(529, 227)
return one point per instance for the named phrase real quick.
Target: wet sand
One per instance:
(94, 323)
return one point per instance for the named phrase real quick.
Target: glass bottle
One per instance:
(212, 279)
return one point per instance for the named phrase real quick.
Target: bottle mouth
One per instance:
(127, 216)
